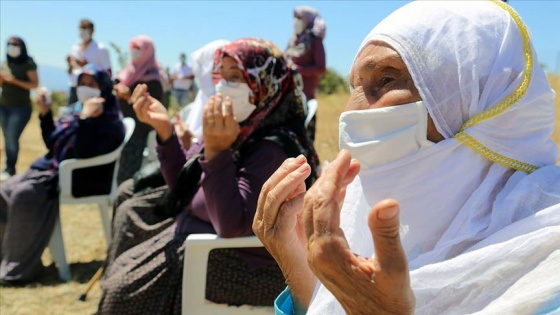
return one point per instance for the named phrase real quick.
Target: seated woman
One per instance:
(451, 115)
(254, 123)
(142, 69)
(29, 202)
(146, 188)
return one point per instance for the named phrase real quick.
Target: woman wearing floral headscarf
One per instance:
(29, 202)
(142, 69)
(306, 51)
(17, 77)
(254, 122)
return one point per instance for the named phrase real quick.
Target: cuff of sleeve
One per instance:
(170, 145)
(217, 163)
(284, 305)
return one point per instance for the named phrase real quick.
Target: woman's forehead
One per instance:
(375, 55)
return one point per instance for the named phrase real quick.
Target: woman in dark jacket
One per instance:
(17, 77)
(142, 69)
(29, 202)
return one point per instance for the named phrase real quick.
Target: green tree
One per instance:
(332, 82)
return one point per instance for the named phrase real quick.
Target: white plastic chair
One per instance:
(105, 202)
(149, 154)
(312, 105)
(197, 249)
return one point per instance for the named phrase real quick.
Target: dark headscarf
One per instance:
(315, 26)
(23, 57)
(280, 114)
(64, 136)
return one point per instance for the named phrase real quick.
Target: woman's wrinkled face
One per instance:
(380, 78)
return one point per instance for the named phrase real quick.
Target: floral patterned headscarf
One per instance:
(278, 96)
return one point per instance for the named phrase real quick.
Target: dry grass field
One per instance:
(85, 246)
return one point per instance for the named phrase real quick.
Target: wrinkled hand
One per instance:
(122, 91)
(150, 111)
(362, 285)
(219, 128)
(278, 225)
(93, 107)
(182, 131)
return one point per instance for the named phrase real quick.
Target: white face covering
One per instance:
(135, 54)
(84, 34)
(84, 93)
(381, 135)
(13, 51)
(298, 25)
(239, 95)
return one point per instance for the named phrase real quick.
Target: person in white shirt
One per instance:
(87, 51)
(182, 78)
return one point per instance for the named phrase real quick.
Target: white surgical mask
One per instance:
(298, 25)
(382, 135)
(84, 34)
(239, 95)
(84, 93)
(13, 51)
(135, 54)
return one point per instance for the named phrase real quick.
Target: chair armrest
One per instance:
(197, 249)
(213, 241)
(66, 168)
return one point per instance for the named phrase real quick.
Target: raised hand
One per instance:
(151, 111)
(122, 91)
(362, 285)
(93, 107)
(182, 131)
(219, 128)
(278, 224)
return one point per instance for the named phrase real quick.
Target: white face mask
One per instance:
(239, 95)
(135, 54)
(84, 93)
(382, 135)
(84, 34)
(13, 51)
(298, 25)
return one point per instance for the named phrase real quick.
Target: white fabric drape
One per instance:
(475, 225)
(202, 65)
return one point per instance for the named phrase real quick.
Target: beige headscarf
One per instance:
(480, 209)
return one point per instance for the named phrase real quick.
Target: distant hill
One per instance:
(54, 78)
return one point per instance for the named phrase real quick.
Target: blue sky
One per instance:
(51, 27)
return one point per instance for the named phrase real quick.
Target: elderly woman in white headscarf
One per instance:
(202, 65)
(451, 115)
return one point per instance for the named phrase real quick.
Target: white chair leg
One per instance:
(56, 247)
(106, 220)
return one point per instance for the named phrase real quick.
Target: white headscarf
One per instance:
(202, 66)
(472, 205)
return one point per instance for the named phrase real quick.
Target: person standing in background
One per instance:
(85, 52)
(17, 78)
(307, 52)
(182, 78)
